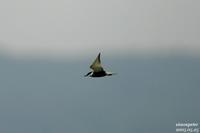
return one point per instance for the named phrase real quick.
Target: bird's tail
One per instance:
(87, 74)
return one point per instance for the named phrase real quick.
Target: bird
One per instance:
(97, 68)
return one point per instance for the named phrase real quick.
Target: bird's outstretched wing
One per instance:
(96, 65)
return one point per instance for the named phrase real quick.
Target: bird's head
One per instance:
(110, 73)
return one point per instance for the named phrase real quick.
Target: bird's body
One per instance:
(96, 74)
(97, 68)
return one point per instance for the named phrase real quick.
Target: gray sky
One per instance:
(68, 28)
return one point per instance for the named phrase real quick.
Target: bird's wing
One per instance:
(96, 65)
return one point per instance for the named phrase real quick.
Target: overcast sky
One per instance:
(83, 27)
